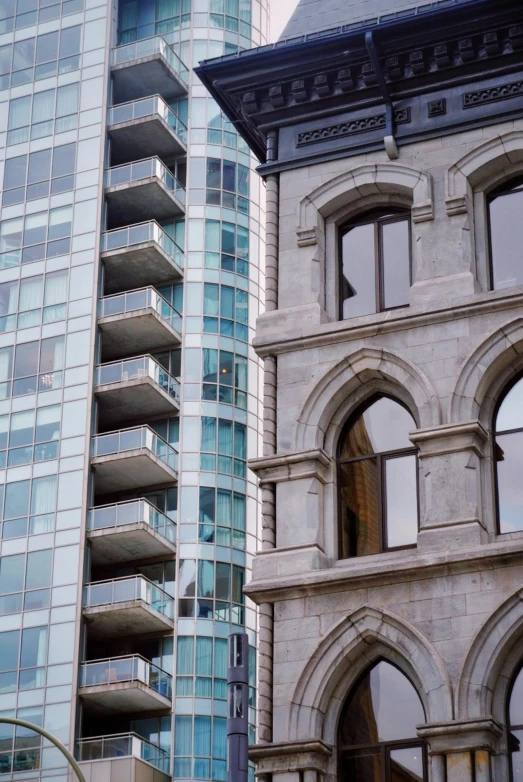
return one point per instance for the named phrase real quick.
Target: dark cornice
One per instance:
(446, 69)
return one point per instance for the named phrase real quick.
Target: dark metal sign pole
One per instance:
(238, 708)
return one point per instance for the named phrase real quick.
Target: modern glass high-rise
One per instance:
(131, 275)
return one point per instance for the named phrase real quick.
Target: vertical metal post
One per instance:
(238, 708)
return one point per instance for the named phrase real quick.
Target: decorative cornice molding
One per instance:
(492, 94)
(292, 466)
(342, 129)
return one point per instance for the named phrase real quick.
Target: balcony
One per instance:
(132, 459)
(127, 606)
(133, 388)
(121, 751)
(145, 128)
(139, 255)
(137, 322)
(147, 66)
(126, 531)
(145, 189)
(129, 684)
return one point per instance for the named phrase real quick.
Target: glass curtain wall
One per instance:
(218, 510)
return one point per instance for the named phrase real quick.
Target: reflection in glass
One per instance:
(506, 237)
(515, 727)
(507, 454)
(377, 478)
(377, 736)
(375, 266)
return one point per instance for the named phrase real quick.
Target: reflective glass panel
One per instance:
(506, 239)
(384, 707)
(510, 413)
(509, 465)
(516, 701)
(359, 271)
(384, 426)
(406, 765)
(401, 501)
(396, 263)
(359, 502)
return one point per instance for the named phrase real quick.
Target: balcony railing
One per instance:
(146, 47)
(128, 588)
(120, 238)
(147, 107)
(132, 668)
(115, 443)
(143, 169)
(140, 367)
(140, 299)
(132, 512)
(122, 745)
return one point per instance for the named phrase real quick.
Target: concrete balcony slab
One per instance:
(128, 542)
(134, 469)
(145, 76)
(139, 331)
(128, 618)
(145, 199)
(129, 697)
(126, 401)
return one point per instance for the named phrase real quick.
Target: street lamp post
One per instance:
(49, 736)
(238, 708)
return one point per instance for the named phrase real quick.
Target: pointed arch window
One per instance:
(377, 480)
(515, 726)
(377, 739)
(508, 456)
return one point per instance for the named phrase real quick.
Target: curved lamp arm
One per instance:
(49, 736)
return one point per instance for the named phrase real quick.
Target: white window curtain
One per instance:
(209, 434)
(210, 299)
(11, 234)
(219, 738)
(67, 100)
(220, 658)
(43, 106)
(241, 373)
(225, 437)
(19, 113)
(202, 736)
(224, 508)
(31, 290)
(166, 9)
(41, 656)
(184, 656)
(43, 495)
(183, 736)
(55, 288)
(203, 656)
(6, 364)
(239, 519)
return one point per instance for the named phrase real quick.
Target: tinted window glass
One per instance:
(359, 271)
(506, 239)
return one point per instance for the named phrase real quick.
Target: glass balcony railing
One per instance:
(121, 238)
(132, 368)
(132, 668)
(143, 169)
(142, 298)
(122, 745)
(134, 439)
(121, 513)
(147, 107)
(147, 46)
(121, 590)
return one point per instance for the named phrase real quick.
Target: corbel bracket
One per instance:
(391, 148)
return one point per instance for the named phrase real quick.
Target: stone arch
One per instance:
(355, 643)
(499, 157)
(349, 383)
(486, 372)
(490, 663)
(369, 179)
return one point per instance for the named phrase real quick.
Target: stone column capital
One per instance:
(461, 736)
(279, 758)
(295, 466)
(450, 438)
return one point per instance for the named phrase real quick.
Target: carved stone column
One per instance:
(465, 747)
(451, 503)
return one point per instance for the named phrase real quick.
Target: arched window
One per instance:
(377, 740)
(375, 264)
(377, 480)
(508, 455)
(515, 727)
(505, 207)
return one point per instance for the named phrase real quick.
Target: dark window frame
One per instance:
(384, 747)
(380, 458)
(505, 189)
(379, 218)
(506, 390)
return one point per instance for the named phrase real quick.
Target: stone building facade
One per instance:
(443, 146)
